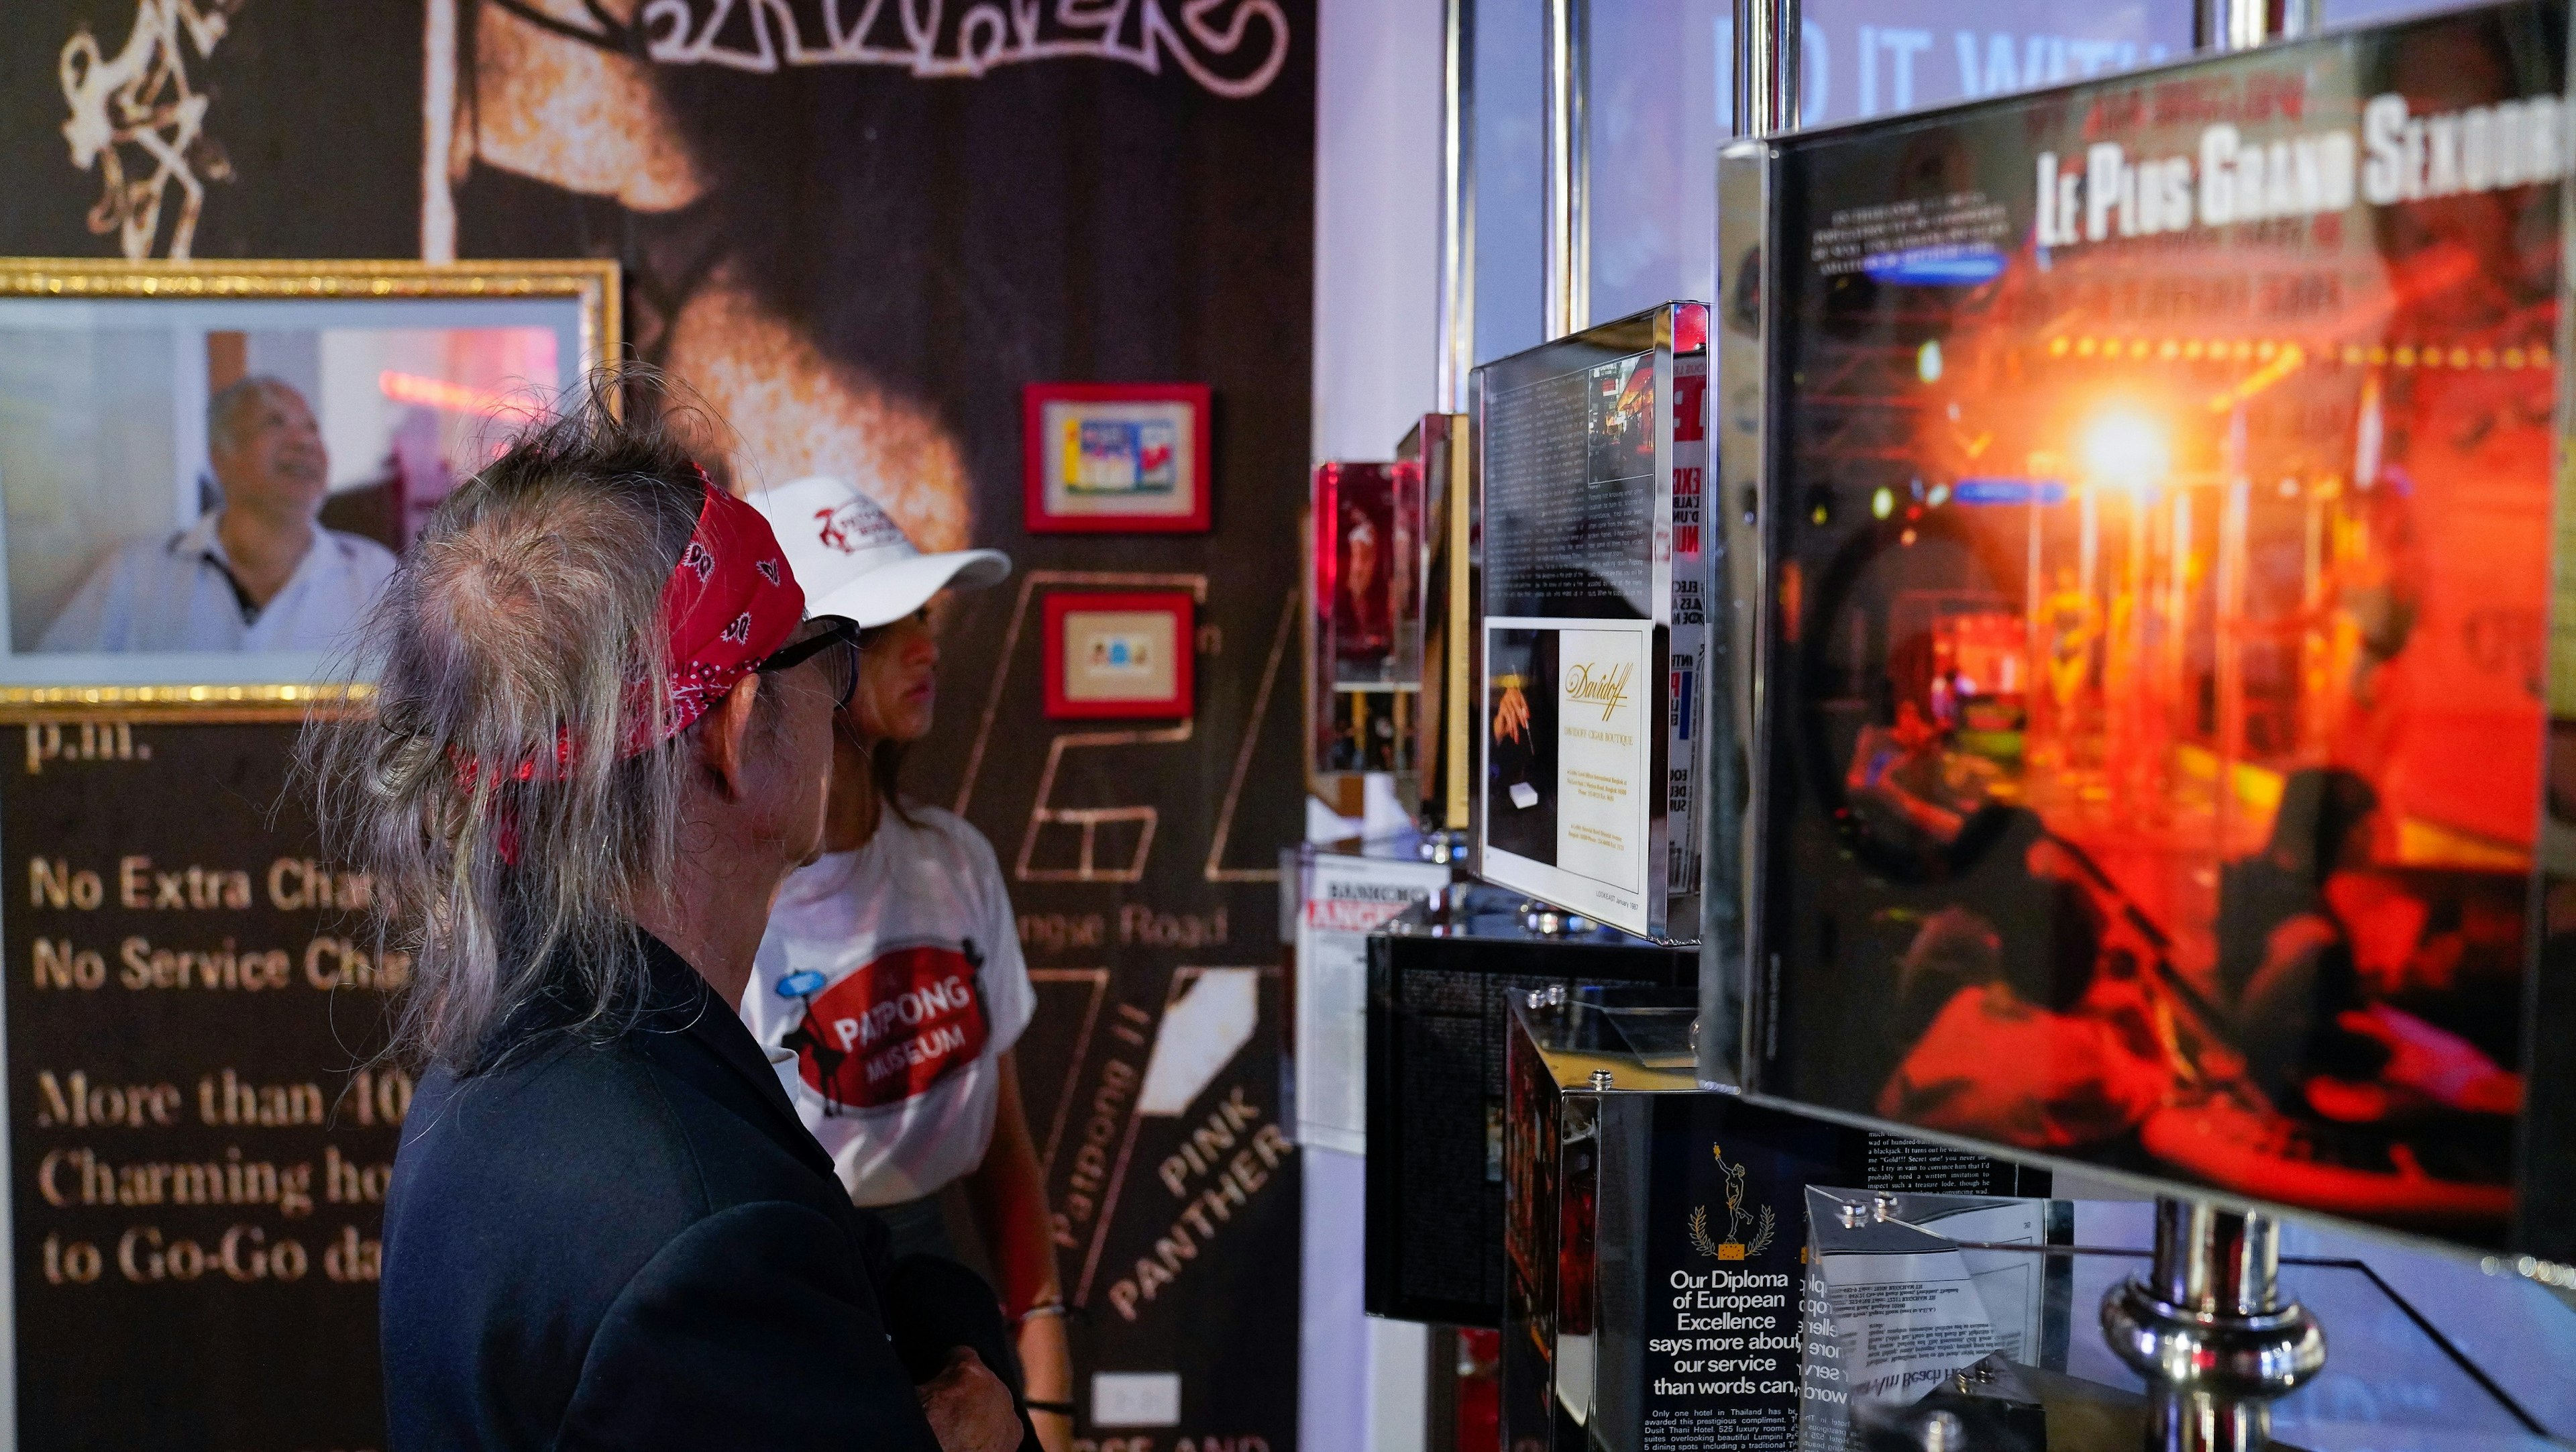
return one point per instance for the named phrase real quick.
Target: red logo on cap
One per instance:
(833, 534)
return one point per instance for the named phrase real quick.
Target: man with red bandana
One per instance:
(601, 739)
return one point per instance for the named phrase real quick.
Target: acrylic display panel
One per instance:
(2158, 508)
(1590, 459)
(1443, 757)
(1365, 581)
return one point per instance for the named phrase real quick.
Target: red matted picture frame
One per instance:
(1116, 458)
(1120, 654)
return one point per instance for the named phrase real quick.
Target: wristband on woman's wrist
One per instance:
(1051, 1307)
(1061, 1409)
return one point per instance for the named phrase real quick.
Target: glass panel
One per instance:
(2162, 590)
(1662, 100)
(2395, 1379)
(1879, 57)
(2353, 12)
(1654, 151)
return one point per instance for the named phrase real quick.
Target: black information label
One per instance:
(1570, 494)
(199, 1142)
(1727, 1209)
(1726, 1258)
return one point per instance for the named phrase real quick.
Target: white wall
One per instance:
(1377, 217)
(1377, 214)
(1361, 1385)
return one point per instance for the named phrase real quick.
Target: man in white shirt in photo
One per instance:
(256, 574)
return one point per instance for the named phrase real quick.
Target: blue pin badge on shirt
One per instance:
(800, 985)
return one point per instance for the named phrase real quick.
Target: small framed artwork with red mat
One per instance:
(1120, 655)
(1116, 458)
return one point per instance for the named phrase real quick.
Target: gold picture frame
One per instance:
(73, 509)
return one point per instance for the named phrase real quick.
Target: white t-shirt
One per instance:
(893, 976)
(176, 593)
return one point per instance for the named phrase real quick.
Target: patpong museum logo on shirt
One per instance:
(907, 1020)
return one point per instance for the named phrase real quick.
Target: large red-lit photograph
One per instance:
(2161, 556)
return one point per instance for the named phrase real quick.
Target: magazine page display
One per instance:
(1570, 516)
(1589, 452)
(2161, 481)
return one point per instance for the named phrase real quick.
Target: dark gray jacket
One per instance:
(635, 1244)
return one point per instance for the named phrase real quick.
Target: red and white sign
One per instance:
(894, 1028)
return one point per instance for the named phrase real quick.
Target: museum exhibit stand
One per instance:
(2005, 774)
(1687, 1268)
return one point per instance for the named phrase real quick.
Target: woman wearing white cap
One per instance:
(889, 987)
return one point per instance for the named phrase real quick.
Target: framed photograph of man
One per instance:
(208, 472)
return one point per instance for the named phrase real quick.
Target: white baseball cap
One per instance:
(857, 563)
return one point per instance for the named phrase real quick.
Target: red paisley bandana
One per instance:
(730, 603)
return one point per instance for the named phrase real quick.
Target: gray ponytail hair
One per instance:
(513, 651)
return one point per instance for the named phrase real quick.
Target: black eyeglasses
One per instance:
(838, 646)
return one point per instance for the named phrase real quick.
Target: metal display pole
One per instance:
(1765, 88)
(2245, 24)
(2208, 1315)
(2207, 1325)
(2208, 1330)
(1457, 301)
(1568, 241)
(1766, 66)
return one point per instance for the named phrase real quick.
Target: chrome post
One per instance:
(2245, 24)
(1568, 241)
(1767, 36)
(1457, 300)
(2207, 1326)
(2208, 1318)
(1767, 41)
(2197, 1421)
